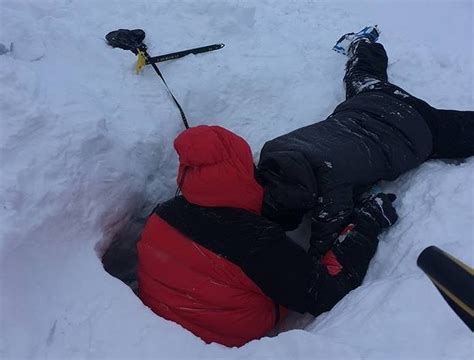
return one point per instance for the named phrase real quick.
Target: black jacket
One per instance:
(322, 167)
(283, 270)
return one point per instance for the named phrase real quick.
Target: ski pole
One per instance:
(142, 53)
(133, 40)
(453, 279)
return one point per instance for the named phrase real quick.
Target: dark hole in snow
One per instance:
(120, 258)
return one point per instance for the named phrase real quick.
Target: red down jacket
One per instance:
(183, 281)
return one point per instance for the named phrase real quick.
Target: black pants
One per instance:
(452, 130)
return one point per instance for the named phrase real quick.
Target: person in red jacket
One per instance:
(210, 262)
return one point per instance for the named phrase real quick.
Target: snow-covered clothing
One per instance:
(378, 133)
(209, 261)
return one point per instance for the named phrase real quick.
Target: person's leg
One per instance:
(366, 68)
(453, 134)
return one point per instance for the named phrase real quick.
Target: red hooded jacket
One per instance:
(185, 282)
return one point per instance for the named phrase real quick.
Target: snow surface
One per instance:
(86, 152)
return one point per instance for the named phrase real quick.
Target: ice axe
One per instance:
(132, 40)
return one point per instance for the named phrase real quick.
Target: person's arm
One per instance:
(279, 267)
(344, 267)
(296, 280)
(330, 217)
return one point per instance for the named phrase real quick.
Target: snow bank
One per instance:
(86, 150)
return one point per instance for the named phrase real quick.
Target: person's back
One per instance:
(184, 272)
(183, 281)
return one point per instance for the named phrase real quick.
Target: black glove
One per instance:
(375, 213)
(357, 244)
(127, 39)
(324, 233)
(354, 250)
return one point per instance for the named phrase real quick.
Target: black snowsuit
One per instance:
(378, 133)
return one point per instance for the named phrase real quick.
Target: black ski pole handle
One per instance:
(453, 279)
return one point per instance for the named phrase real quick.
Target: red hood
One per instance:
(218, 169)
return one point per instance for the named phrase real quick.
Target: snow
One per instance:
(86, 152)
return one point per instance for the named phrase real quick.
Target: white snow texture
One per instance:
(87, 150)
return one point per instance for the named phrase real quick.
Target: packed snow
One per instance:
(86, 152)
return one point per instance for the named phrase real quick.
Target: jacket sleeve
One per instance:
(345, 266)
(291, 277)
(280, 268)
(330, 217)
